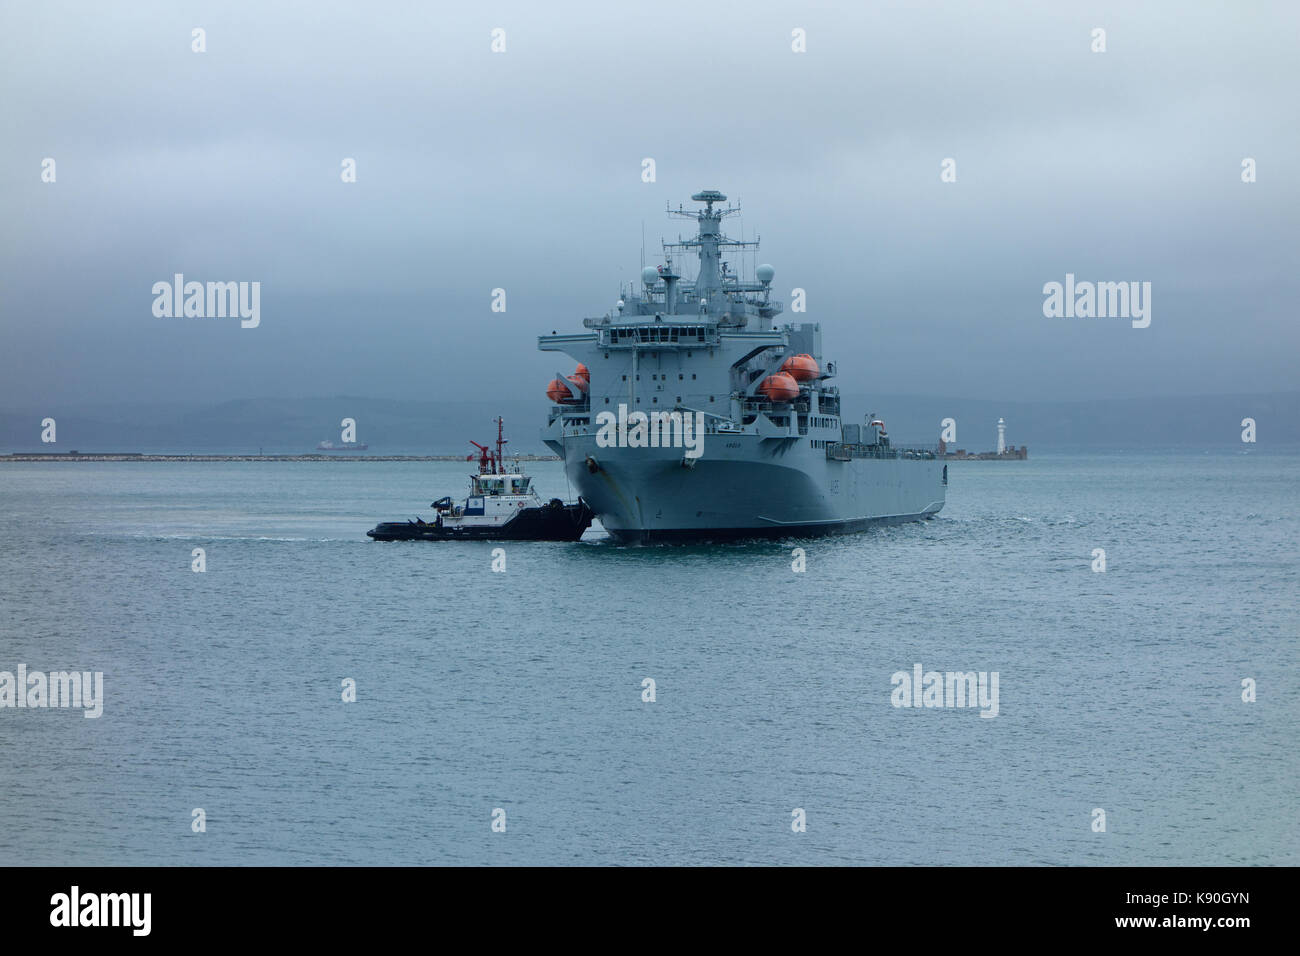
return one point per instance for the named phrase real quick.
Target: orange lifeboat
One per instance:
(581, 373)
(801, 368)
(779, 387)
(558, 392)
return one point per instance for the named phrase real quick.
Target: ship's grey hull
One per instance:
(745, 486)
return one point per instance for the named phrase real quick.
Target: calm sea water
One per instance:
(523, 690)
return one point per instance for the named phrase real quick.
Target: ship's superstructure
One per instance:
(693, 414)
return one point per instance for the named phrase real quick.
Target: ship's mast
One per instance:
(710, 242)
(500, 442)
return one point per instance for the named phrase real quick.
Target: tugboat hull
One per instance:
(554, 522)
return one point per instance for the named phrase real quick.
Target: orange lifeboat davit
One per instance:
(779, 387)
(580, 380)
(801, 368)
(558, 392)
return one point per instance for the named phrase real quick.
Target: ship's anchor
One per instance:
(593, 466)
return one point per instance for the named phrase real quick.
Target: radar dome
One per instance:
(649, 275)
(765, 273)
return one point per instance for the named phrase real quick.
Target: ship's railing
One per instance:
(572, 414)
(751, 405)
(846, 451)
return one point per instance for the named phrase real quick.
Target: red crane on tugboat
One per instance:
(489, 463)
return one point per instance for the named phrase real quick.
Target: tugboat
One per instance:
(502, 506)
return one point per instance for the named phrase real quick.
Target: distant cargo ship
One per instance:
(346, 446)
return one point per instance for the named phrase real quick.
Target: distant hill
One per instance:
(281, 426)
(295, 426)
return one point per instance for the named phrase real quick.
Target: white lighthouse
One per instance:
(1002, 436)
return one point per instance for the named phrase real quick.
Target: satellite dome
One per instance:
(765, 273)
(649, 275)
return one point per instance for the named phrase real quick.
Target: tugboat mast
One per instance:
(500, 442)
(490, 463)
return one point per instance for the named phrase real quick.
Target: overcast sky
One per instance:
(523, 170)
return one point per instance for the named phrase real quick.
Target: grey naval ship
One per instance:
(694, 415)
